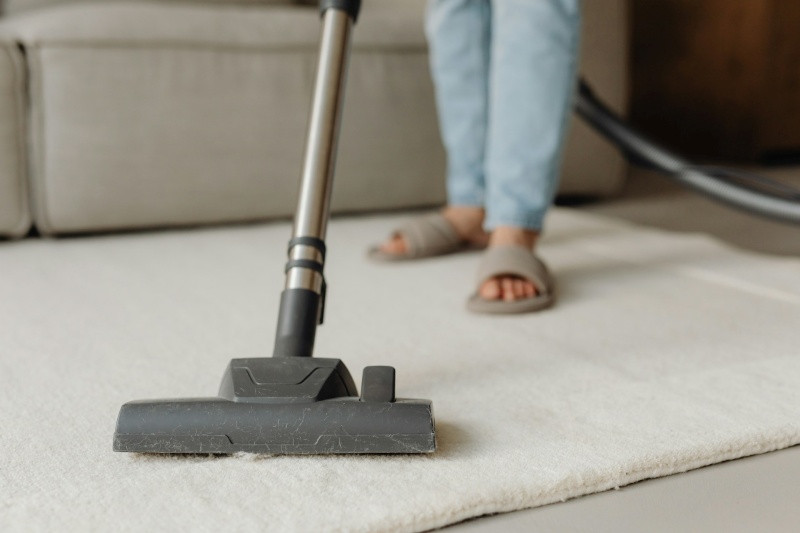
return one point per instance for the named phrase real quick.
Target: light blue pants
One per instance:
(504, 72)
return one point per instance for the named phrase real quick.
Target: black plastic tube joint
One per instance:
(351, 7)
(299, 315)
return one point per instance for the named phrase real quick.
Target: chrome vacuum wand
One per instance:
(303, 299)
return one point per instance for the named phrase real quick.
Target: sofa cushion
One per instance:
(14, 212)
(155, 115)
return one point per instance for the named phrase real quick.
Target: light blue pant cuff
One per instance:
(529, 222)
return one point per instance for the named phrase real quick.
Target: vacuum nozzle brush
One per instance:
(283, 406)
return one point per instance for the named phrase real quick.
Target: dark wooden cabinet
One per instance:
(719, 79)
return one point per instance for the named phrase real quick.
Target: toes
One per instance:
(399, 244)
(508, 288)
(396, 245)
(530, 290)
(490, 290)
(519, 288)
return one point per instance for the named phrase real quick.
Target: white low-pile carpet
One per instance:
(665, 353)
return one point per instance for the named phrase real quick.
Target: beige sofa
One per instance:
(124, 114)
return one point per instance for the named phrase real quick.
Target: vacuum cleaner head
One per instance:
(293, 402)
(291, 405)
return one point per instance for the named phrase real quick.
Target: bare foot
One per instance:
(506, 287)
(466, 221)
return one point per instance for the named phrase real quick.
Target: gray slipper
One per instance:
(425, 236)
(516, 261)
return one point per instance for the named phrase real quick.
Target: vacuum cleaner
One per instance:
(294, 403)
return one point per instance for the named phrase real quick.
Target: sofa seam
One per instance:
(21, 171)
(38, 176)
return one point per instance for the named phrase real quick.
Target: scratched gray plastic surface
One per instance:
(285, 406)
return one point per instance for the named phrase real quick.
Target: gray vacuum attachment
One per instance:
(293, 402)
(283, 406)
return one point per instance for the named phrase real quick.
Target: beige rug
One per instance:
(666, 353)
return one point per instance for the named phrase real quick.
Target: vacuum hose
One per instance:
(755, 194)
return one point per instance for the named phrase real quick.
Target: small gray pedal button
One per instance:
(377, 384)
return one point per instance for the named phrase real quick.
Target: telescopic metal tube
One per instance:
(313, 207)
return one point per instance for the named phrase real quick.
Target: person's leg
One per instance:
(459, 36)
(533, 60)
(459, 45)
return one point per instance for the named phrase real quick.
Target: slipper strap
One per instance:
(429, 235)
(515, 261)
